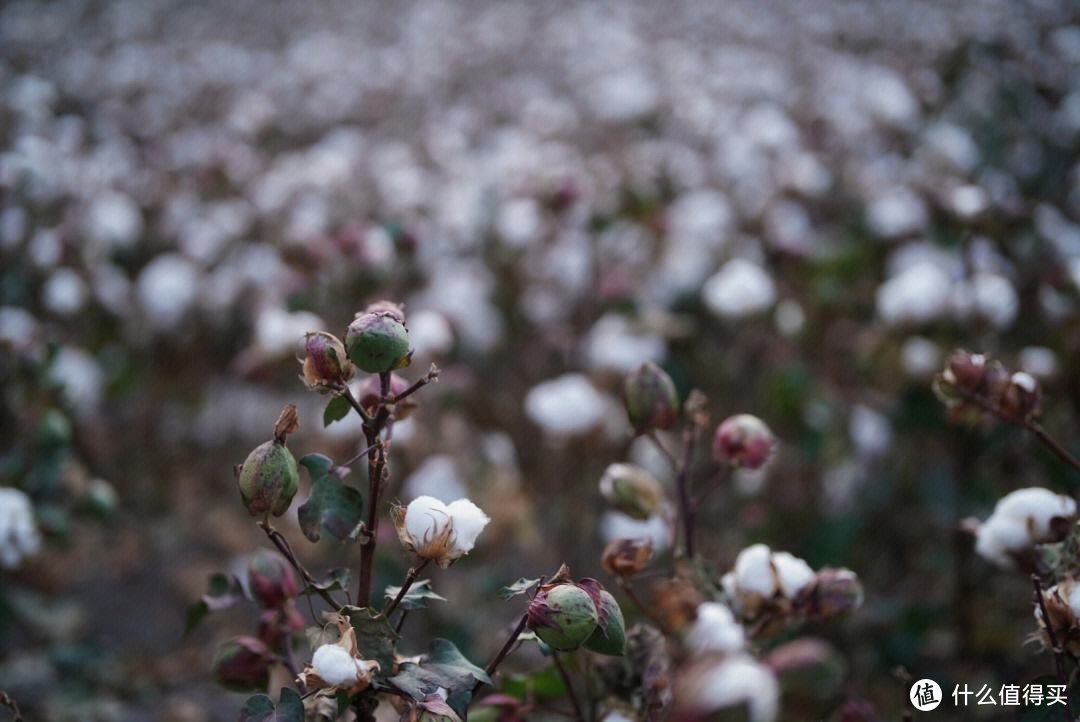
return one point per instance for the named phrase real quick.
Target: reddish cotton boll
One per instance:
(242, 664)
(1021, 398)
(563, 616)
(371, 396)
(744, 441)
(326, 367)
(271, 579)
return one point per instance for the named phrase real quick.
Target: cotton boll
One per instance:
(430, 334)
(614, 345)
(895, 213)
(997, 537)
(468, 521)
(715, 631)
(166, 289)
(870, 431)
(989, 297)
(754, 571)
(568, 405)
(80, 377)
(711, 687)
(278, 332)
(427, 520)
(335, 666)
(64, 292)
(115, 220)
(18, 327)
(919, 294)
(19, 537)
(1022, 519)
(1037, 507)
(616, 525)
(436, 477)
(519, 222)
(1039, 361)
(792, 573)
(740, 288)
(920, 357)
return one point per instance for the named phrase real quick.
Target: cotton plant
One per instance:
(710, 631)
(353, 662)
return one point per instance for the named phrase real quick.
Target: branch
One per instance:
(682, 483)
(569, 687)
(1059, 656)
(431, 376)
(283, 546)
(508, 645)
(1028, 424)
(409, 579)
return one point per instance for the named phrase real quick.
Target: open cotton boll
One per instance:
(996, 538)
(733, 682)
(335, 666)
(715, 630)
(427, 521)
(792, 573)
(19, 536)
(740, 288)
(754, 571)
(1036, 506)
(468, 521)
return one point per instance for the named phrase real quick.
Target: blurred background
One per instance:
(796, 207)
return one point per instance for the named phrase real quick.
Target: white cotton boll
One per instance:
(114, 219)
(967, 201)
(519, 221)
(994, 299)
(997, 537)
(468, 520)
(430, 334)
(19, 537)
(64, 292)
(80, 377)
(335, 665)
(614, 345)
(18, 327)
(436, 477)
(715, 631)
(897, 212)
(789, 317)
(792, 573)
(616, 525)
(740, 288)
(566, 406)
(1039, 361)
(426, 520)
(278, 332)
(754, 571)
(953, 144)
(920, 357)
(167, 288)
(1037, 507)
(740, 681)
(870, 431)
(919, 294)
(1074, 599)
(623, 96)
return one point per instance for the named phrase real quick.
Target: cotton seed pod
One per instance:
(242, 664)
(834, 592)
(651, 399)
(1062, 602)
(326, 367)
(609, 637)
(371, 396)
(389, 308)
(271, 579)
(269, 477)
(563, 616)
(441, 532)
(339, 666)
(632, 490)
(1021, 398)
(744, 441)
(377, 343)
(627, 557)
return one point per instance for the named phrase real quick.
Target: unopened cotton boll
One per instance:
(1022, 519)
(715, 631)
(19, 537)
(740, 288)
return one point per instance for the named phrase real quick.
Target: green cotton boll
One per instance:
(563, 617)
(610, 637)
(269, 479)
(377, 343)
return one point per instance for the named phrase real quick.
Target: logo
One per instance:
(925, 695)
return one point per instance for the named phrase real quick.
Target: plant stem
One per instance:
(682, 484)
(430, 376)
(569, 687)
(285, 548)
(409, 579)
(1059, 656)
(376, 465)
(508, 645)
(1032, 426)
(290, 663)
(7, 701)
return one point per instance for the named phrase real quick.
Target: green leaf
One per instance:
(260, 708)
(337, 580)
(332, 505)
(521, 586)
(223, 591)
(415, 598)
(442, 666)
(336, 410)
(375, 638)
